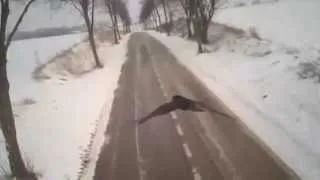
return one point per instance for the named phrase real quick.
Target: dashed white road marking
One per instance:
(180, 132)
(196, 174)
(187, 150)
(173, 115)
(159, 79)
(160, 82)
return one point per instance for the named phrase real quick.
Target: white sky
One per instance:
(134, 10)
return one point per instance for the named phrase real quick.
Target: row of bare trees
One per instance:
(7, 121)
(198, 15)
(117, 9)
(151, 11)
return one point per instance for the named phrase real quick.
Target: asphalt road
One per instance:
(166, 125)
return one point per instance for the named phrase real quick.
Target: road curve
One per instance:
(192, 136)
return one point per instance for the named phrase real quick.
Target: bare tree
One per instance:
(164, 7)
(186, 5)
(157, 16)
(147, 7)
(150, 10)
(154, 18)
(111, 13)
(112, 7)
(123, 13)
(7, 122)
(167, 15)
(203, 11)
(84, 7)
(197, 23)
(115, 16)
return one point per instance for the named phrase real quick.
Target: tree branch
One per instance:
(184, 6)
(16, 26)
(212, 9)
(74, 4)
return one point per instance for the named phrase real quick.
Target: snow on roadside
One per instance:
(266, 84)
(54, 131)
(24, 56)
(116, 57)
(291, 22)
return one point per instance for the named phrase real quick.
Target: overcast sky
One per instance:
(134, 9)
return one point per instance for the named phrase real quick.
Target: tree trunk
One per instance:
(154, 20)
(127, 28)
(94, 49)
(165, 11)
(115, 36)
(92, 41)
(159, 18)
(117, 27)
(204, 33)
(124, 27)
(7, 125)
(113, 23)
(188, 21)
(200, 49)
(170, 13)
(165, 17)
(197, 28)
(198, 36)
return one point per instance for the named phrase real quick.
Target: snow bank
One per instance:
(55, 130)
(24, 56)
(75, 61)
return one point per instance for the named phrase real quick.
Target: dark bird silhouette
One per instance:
(177, 103)
(181, 103)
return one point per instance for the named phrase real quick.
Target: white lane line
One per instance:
(196, 174)
(159, 79)
(161, 85)
(180, 132)
(187, 150)
(173, 115)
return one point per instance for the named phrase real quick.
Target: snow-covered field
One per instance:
(240, 3)
(56, 118)
(271, 84)
(42, 14)
(295, 25)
